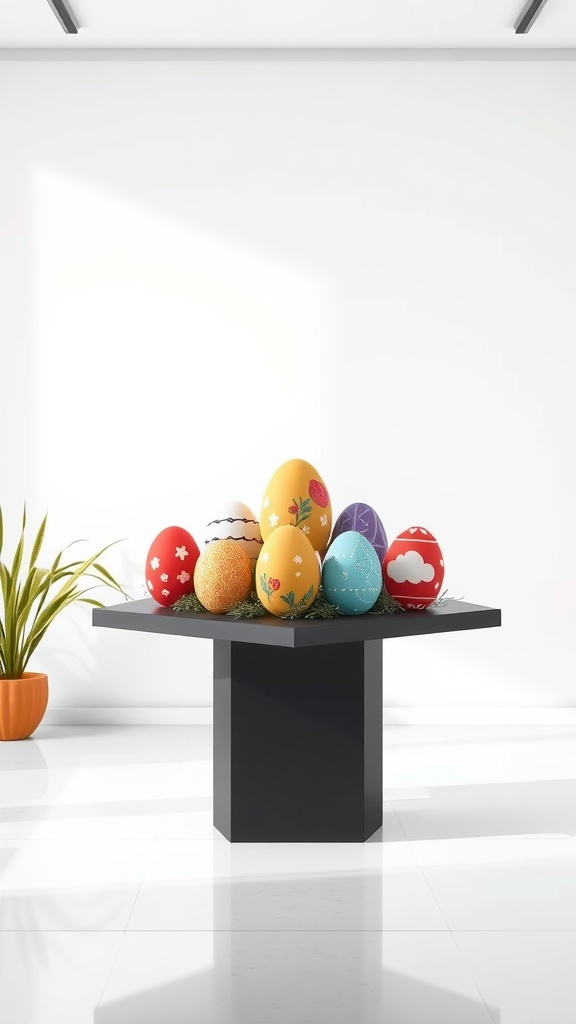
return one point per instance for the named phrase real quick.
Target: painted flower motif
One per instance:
(269, 585)
(305, 529)
(293, 604)
(273, 520)
(265, 556)
(266, 502)
(150, 587)
(164, 577)
(165, 593)
(298, 574)
(324, 520)
(183, 577)
(301, 508)
(181, 552)
(154, 563)
(318, 493)
(297, 559)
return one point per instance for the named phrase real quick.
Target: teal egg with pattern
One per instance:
(351, 574)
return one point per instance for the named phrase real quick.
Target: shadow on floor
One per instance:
(236, 993)
(298, 949)
(546, 807)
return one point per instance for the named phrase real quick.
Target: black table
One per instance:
(297, 714)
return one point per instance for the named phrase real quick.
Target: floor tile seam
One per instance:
(465, 963)
(398, 822)
(112, 966)
(65, 931)
(142, 839)
(125, 839)
(227, 931)
(296, 931)
(123, 932)
(428, 883)
(143, 876)
(514, 931)
(293, 931)
(406, 839)
(430, 869)
(516, 838)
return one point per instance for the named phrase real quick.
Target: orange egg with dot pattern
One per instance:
(223, 576)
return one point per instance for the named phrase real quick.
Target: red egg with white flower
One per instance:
(413, 569)
(170, 565)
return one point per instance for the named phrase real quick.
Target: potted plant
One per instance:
(30, 599)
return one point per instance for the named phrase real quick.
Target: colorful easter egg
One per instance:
(413, 569)
(287, 572)
(296, 496)
(170, 565)
(351, 574)
(235, 521)
(223, 576)
(362, 517)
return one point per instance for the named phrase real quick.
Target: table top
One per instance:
(149, 617)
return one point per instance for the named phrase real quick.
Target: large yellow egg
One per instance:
(223, 576)
(287, 572)
(297, 496)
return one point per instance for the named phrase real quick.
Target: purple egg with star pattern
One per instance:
(364, 520)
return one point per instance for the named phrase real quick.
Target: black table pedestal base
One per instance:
(297, 713)
(298, 742)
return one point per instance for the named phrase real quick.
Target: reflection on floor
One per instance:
(120, 904)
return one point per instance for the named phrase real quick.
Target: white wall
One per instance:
(207, 268)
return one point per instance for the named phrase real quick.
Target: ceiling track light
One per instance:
(65, 15)
(528, 17)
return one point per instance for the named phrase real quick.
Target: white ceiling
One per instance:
(290, 23)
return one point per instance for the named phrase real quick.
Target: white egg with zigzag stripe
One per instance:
(235, 521)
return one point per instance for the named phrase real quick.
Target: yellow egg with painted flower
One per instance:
(297, 496)
(287, 572)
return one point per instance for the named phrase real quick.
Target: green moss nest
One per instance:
(252, 607)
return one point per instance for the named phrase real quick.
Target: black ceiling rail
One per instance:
(65, 15)
(528, 17)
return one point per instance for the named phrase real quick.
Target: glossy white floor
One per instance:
(120, 904)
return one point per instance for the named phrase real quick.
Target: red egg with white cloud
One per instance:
(413, 569)
(170, 565)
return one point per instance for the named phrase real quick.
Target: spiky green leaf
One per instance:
(31, 598)
(38, 542)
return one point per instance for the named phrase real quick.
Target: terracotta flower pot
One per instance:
(22, 705)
